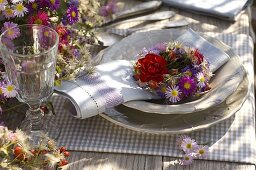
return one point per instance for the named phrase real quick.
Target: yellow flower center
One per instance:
(52, 1)
(1, 1)
(19, 7)
(189, 146)
(34, 6)
(201, 151)
(38, 21)
(73, 14)
(202, 79)
(187, 85)
(10, 32)
(163, 89)
(8, 11)
(175, 93)
(9, 88)
(1, 91)
(186, 158)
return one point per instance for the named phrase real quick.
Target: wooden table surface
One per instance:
(102, 161)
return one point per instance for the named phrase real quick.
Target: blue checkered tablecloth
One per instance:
(231, 140)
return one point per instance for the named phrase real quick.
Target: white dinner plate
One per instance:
(224, 82)
(177, 124)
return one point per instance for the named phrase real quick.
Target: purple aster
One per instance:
(33, 6)
(12, 30)
(161, 91)
(187, 85)
(187, 159)
(73, 3)
(8, 43)
(189, 145)
(189, 71)
(43, 3)
(54, 4)
(72, 14)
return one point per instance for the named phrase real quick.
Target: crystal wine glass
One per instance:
(29, 54)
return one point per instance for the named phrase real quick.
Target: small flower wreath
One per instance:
(172, 71)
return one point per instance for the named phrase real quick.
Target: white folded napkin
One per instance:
(110, 85)
(113, 83)
(224, 9)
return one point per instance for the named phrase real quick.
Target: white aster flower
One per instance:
(16, 1)
(201, 80)
(189, 145)
(173, 94)
(20, 10)
(202, 151)
(9, 91)
(187, 159)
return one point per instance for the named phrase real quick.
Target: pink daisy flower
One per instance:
(40, 18)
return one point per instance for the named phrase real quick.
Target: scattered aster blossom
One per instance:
(20, 10)
(202, 151)
(189, 145)
(187, 159)
(9, 91)
(187, 85)
(190, 149)
(201, 79)
(72, 15)
(12, 30)
(54, 4)
(180, 139)
(173, 94)
(40, 18)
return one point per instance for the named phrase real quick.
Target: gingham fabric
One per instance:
(231, 140)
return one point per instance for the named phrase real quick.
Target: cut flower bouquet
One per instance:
(172, 71)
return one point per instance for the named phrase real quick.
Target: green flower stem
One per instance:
(14, 107)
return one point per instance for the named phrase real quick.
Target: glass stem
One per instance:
(35, 114)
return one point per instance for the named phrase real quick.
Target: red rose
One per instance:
(198, 57)
(151, 67)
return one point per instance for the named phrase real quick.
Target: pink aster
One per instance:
(54, 4)
(187, 85)
(40, 18)
(12, 30)
(189, 145)
(72, 14)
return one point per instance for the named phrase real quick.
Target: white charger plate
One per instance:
(223, 84)
(177, 124)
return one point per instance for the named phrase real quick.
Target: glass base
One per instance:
(44, 125)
